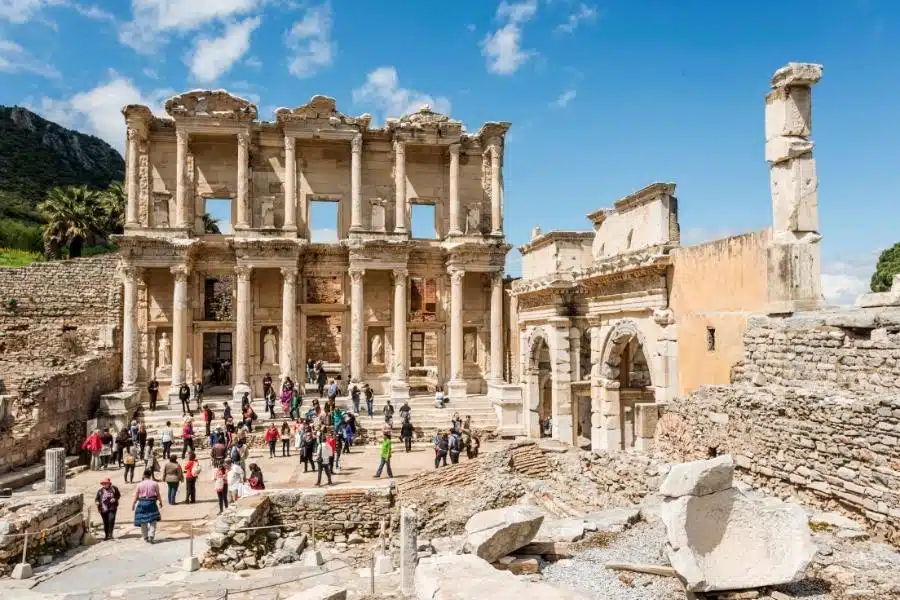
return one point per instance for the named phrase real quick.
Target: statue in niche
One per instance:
(160, 211)
(164, 351)
(469, 347)
(377, 352)
(270, 347)
(376, 212)
(473, 220)
(267, 210)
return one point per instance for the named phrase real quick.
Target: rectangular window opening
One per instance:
(217, 216)
(710, 339)
(323, 221)
(424, 223)
(417, 349)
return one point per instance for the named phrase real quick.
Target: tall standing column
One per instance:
(290, 184)
(243, 157)
(496, 195)
(179, 324)
(131, 177)
(357, 362)
(288, 322)
(356, 145)
(456, 387)
(400, 186)
(181, 142)
(242, 332)
(129, 329)
(497, 326)
(399, 388)
(454, 190)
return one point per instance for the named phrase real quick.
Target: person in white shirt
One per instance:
(438, 397)
(166, 436)
(235, 479)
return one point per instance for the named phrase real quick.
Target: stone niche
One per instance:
(376, 349)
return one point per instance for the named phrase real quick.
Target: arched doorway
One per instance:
(628, 384)
(545, 386)
(538, 377)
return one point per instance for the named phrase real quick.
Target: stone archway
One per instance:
(538, 379)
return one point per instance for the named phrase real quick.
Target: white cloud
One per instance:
(844, 279)
(21, 11)
(95, 13)
(310, 40)
(152, 19)
(213, 57)
(564, 99)
(15, 59)
(98, 110)
(150, 73)
(503, 47)
(382, 90)
(584, 14)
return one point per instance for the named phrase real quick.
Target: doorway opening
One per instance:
(217, 358)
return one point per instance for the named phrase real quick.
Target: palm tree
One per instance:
(72, 214)
(113, 201)
(210, 224)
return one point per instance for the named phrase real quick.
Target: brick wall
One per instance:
(323, 337)
(57, 518)
(324, 290)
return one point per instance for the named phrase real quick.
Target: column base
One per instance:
(172, 399)
(289, 228)
(355, 228)
(455, 232)
(497, 233)
(399, 391)
(456, 389)
(238, 391)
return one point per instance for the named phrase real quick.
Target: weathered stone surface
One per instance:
(448, 545)
(321, 592)
(614, 520)
(833, 519)
(560, 530)
(727, 541)
(439, 578)
(699, 478)
(519, 565)
(495, 533)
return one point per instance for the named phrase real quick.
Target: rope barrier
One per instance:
(42, 532)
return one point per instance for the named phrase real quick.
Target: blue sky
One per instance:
(604, 96)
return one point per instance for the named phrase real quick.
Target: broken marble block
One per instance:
(492, 534)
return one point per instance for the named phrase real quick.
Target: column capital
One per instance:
(356, 274)
(289, 274)
(356, 143)
(181, 136)
(400, 147)
(290, 142)
(495, 275)
(454, 149)
(133, 133)
(243, 272)
(400, 275)
(180, 272)
(243, 138)
(132, 272)
(456, 274)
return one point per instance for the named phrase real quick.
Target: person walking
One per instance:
(173, 475)
(123, 441)
(333, 392)
(267, 387)
(146, 505)
(187, 437)
(166, 436)
(269, 398)
(184, 394)
(107, 501)
(405, 411)
(440, 449)
(285, 439)
(354, 397)
(370, 400)
(324, 456)
(389, 413)
(219, 450)
(385, 457)
(406, 433)
(295, 401)
(192, 470)
(235, 479)
(93, 445)
(106, 448)
(321, 379)
(198, 394)
(220, 482)
(454, 447)
(272, 436)
(130, 460)
(309, 450)
(207, 420)
(226, 411)
(153, 390)
(142, 440)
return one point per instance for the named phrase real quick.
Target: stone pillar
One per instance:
(794, 264)
(456, 388)
(496, 195)
(611, 409)
(356, 182)
(179, 325)
(357, 352)
(399, 387)
(243, 327)
(454, 191)
(497, 326)
(243, 157)
(400, 186)
(131, 178)
(181, 142)
(129, 329)
(596, 387)
(561, 394)
(409, 549)
(55, 470)
(288, 322)
(290, 184)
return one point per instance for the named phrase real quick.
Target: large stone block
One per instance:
(788, 112)
(794, 188)
(699, 478)
(492, 534)
(794, 74)
(729, 541)
(794, 277)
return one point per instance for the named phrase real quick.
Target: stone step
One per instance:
(28, 475)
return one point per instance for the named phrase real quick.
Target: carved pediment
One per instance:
(426, 120)
(217, 104)
(324, 110)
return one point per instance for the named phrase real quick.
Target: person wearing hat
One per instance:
(107, 501)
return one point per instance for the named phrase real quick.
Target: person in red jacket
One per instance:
(187, 437)
(272, 437)
(93, 444)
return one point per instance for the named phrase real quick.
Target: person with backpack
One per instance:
(324, 456)
(441, 448)
(370, 400)
(453, 447)
(406, 434)
(354, 398)
(166, 436)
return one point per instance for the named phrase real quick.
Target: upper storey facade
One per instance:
(212, 146)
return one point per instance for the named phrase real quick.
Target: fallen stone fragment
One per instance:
(614, 520)
(699, 478)
(834, 519)
(519, 565)
(448, 545)
(321, 592)
(494, 533)
(560, 530)
(851, 534)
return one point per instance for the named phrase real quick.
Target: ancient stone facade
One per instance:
(378, 305)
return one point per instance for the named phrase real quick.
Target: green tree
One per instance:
(71, 214)
(112, 202)
(210, 224)
(888, 266)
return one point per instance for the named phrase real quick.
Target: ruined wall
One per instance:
(54, 524)
(323, 337)
(715, 288)
(814, 412)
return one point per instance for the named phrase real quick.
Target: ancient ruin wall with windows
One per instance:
(378, 304)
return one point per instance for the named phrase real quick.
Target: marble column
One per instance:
(357, 352)
(129, 329)
(454, 190)
(400, 186)
(497, 326)
(290, 184)
(181, 142)
(243, 157)
(131, 178)
(242, 332)
(179, 324)
(496, 205)
(288, 322)
(399, 387)
(456, 387)
(356, 182)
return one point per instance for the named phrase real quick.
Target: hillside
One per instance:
(37, 155)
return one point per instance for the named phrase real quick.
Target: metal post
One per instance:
(25, 548)
(192, 541)
(372, 575)
(314, 534)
